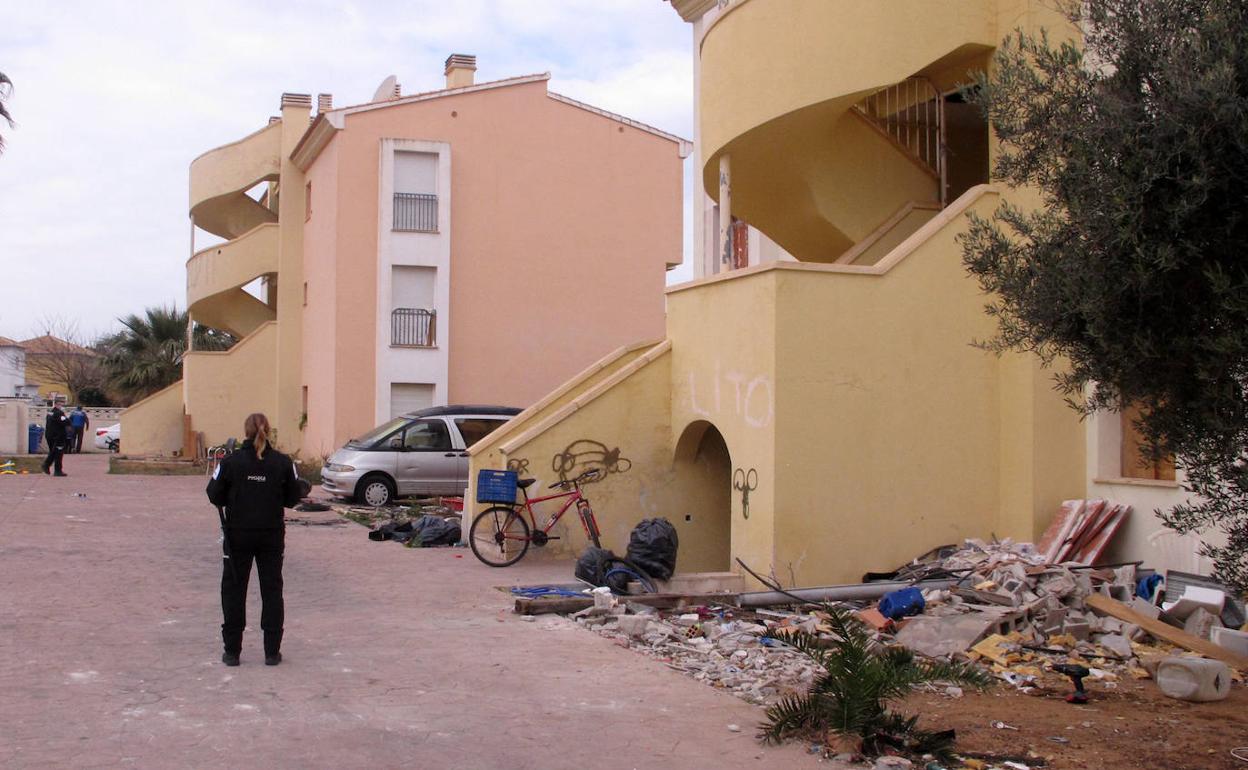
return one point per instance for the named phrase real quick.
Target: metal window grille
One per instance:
(413, 327)
(416, 212)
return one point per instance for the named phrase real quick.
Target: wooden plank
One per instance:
(1091, 514)
(1092, 552)
(1165, 632)
(1059, 528)
(563, 604)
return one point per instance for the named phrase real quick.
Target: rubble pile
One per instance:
(1013, 611)
(722, 646)
(1000, 604)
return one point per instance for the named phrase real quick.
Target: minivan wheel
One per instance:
(375, 491)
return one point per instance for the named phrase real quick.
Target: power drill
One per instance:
(1076, 674)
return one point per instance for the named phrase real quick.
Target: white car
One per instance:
(108, 438)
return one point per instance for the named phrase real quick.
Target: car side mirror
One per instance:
(396, 443)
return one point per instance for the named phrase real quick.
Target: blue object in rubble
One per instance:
(899, 604)
(1148, 586)
(534, 592)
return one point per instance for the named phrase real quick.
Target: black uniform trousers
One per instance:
(55, 452)
(265, 547)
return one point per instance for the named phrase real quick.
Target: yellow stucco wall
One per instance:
(887, 420)
(890, 433)
(630, 419)
(617, 417)
(222, 388)
(153, 426)
(764, 59)
(723, 337)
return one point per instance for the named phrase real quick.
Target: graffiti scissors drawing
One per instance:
(745, 482)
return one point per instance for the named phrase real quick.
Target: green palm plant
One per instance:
(860, 679)
(147, 354)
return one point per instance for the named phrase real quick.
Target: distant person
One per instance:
(56, 433)
(254, 484)
(80, 422)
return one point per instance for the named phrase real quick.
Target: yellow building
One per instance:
(817, 408)
(56, 366)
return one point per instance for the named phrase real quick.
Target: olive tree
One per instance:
(1132, 270)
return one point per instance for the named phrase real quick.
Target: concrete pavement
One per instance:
(110, 652)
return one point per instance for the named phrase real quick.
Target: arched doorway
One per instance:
(704, 487)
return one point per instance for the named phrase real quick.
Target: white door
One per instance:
(409, 396)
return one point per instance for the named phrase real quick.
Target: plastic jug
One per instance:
(1194, 679)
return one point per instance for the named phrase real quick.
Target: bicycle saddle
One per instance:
(525, 483)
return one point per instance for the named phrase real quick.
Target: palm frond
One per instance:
(859, 678)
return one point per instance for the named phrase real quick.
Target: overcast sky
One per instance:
(114, 99)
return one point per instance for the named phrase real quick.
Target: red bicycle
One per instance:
(500, 536)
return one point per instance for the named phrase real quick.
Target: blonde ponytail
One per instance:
(256, 428)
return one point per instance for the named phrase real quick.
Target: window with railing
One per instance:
(413, 327)
(416, 212)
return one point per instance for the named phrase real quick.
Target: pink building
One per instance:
(478, 244)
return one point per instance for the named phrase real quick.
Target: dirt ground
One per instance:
(1130, 727)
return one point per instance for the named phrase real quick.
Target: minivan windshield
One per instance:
(378, 433)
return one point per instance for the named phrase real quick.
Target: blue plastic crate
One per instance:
(496, 487)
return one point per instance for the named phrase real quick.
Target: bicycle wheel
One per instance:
(499, 536)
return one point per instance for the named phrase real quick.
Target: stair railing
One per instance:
(912, 114)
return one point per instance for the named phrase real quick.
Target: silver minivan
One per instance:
(419, 454)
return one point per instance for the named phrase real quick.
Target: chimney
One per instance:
(297, 100)
(324, 103)
(459, 69)
(398, 91)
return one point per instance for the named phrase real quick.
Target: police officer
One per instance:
(253, 484)
(56, 433)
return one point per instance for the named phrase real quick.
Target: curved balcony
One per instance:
(215, 277)
(778, 81)
(221, 177)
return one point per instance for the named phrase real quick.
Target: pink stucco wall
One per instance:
(562, 222)
(321, 335)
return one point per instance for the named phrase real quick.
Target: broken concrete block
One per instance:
(1076, 628)
(1200, 622)
(936, 636)
(1055, 618)
(1117, 644)
(893, 763)
(1061, 585)
(634, 625)
(1145, 608)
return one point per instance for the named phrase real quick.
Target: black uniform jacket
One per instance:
(54, 427)
(254, 490)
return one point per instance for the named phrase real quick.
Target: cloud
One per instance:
(114, 99)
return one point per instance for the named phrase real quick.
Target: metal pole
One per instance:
(860, 591)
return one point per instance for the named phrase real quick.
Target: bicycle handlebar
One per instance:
(593, 473)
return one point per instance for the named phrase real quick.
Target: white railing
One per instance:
(912, 114)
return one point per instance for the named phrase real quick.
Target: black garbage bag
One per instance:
(435, 530)
(592, 566)
(652, 546)
(392, 531)
(600, 567)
